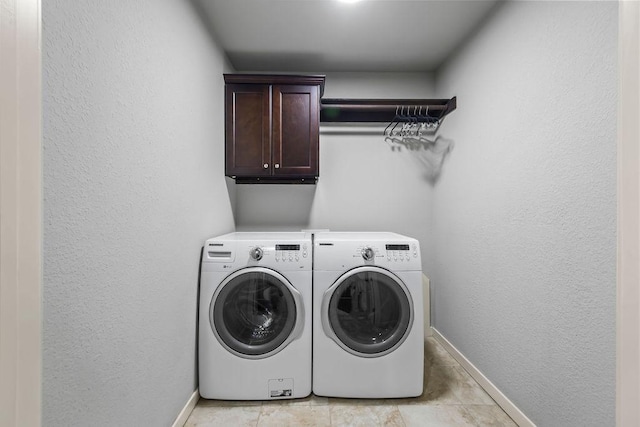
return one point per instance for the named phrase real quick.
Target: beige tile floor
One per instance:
(451, 398)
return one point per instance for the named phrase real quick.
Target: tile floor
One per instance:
(451, 398)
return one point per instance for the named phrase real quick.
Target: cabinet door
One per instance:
(296, 120)
(248, 130)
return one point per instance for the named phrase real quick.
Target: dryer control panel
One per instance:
(348, 250)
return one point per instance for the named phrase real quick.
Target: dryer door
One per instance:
(368, 311)
(256, 312)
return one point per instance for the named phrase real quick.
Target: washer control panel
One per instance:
(280, 252)
(401, 252)
(285, 256)
(291, 252)
(286, 251)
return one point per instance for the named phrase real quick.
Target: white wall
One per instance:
(133, 185)
(517, 223)
(523, 232)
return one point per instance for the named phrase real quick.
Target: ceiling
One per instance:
(331, 36)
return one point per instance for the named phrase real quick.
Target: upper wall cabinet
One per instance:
(272, 127)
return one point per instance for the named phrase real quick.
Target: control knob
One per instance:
(256, 253)
(367, 254)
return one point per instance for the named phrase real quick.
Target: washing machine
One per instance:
(255, 316)
(368, 337)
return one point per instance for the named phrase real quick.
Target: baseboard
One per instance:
(503, 401)
(186, 411)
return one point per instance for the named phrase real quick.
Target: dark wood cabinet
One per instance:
(272, 128)
(248, 130)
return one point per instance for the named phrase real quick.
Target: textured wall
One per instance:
(523, 265)
(517, 232)
(133, 184)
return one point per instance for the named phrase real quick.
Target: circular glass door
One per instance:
(367, 311)
(256, 312)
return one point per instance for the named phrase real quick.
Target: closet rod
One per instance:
(386, 107)
(382, 110)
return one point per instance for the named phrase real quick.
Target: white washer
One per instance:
(255, 316)
(368, 317)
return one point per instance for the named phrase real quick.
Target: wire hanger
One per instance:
(397, 117)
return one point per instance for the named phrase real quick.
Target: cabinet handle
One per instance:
(266, 165)
(277, 166)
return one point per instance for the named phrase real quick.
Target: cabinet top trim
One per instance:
(283, 79)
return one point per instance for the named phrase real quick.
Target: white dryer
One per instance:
(368, 317)
(255, 317)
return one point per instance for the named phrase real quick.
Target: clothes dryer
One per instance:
(255, 317)
(368, 317)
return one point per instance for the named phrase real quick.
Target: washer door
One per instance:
(256, 312)
(368, 311)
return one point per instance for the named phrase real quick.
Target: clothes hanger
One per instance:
(400, 118)
(392, 121)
